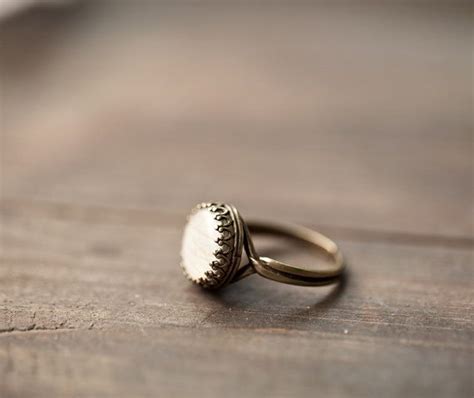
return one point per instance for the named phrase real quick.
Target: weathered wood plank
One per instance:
(90, 301)
(212, 362)
(119, 116)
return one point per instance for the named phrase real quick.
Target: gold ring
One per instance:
(216, 235)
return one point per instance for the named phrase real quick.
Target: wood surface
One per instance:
(355, 119)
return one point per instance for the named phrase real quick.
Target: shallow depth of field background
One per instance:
(357, 108)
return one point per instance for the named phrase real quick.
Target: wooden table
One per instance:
(117, 117)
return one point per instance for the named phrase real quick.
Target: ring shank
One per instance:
(286, 273)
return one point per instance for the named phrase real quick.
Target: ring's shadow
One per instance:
(258, 302)
(243, 290)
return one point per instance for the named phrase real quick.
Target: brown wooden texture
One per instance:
(117, 117)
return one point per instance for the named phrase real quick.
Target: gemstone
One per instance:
(199, 243)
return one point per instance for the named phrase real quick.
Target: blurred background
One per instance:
(351, 117)
(356, 114)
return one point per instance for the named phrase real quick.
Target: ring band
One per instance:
(216, 235)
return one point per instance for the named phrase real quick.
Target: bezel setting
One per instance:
(226, 259)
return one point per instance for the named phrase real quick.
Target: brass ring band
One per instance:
(215, 237)
(287, 273)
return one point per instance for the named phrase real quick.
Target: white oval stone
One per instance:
(199, 243)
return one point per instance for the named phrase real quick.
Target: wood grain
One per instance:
(117, 117)
(98, 298)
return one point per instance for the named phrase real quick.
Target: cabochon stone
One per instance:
(199, 243)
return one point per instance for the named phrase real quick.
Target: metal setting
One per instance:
(234, 235)
(227, 256)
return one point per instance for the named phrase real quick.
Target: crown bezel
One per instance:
(230, 241)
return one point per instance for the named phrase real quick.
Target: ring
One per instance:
(216, 235)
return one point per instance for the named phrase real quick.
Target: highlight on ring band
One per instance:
(216, 235)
